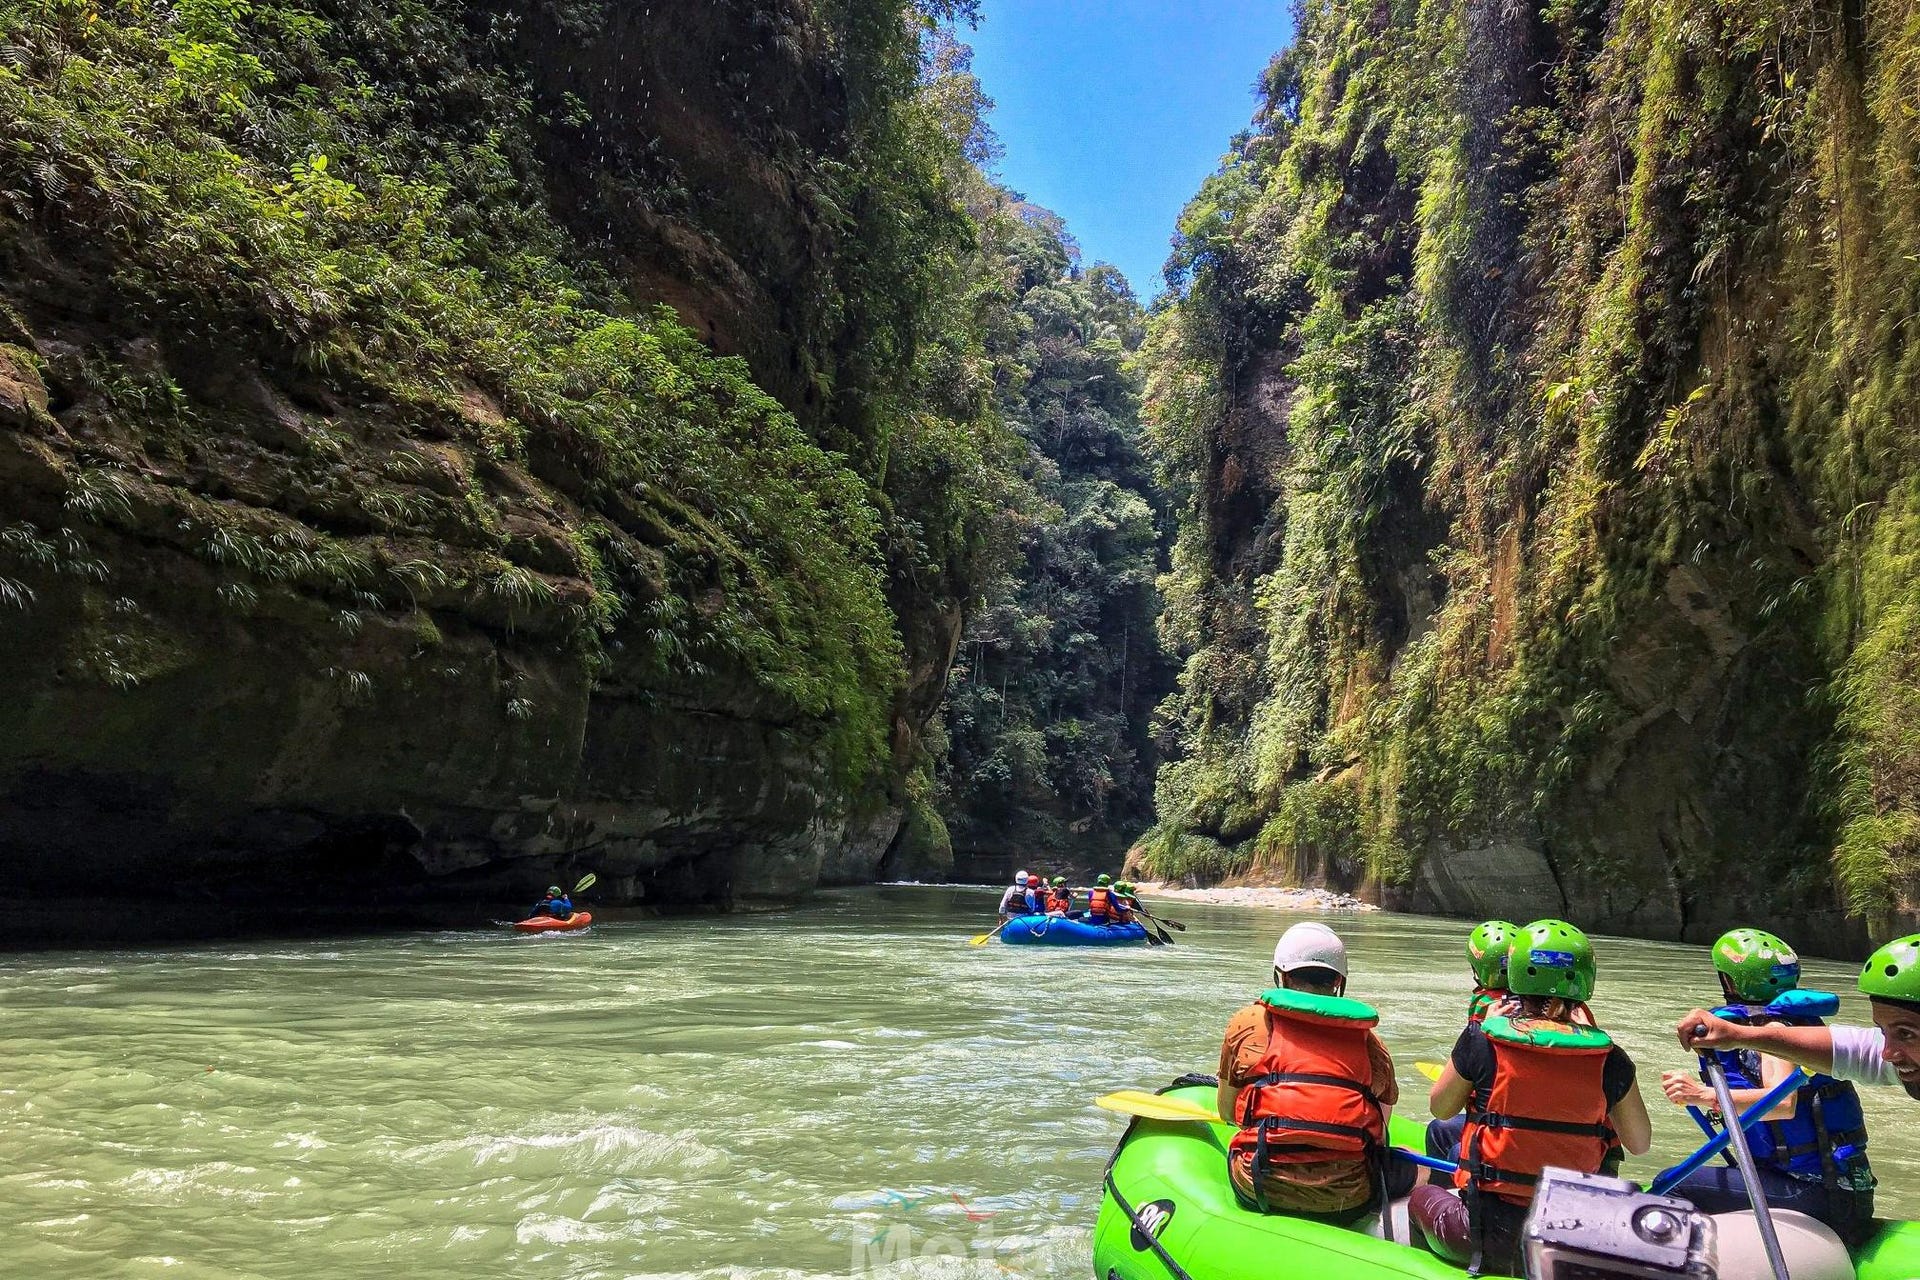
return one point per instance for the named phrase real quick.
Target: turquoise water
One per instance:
(839, 1089)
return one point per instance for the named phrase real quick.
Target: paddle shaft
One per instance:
(983, 939)
(1748, 1118)
(1743, 1156)
(1153, 924)
(1425, 1162)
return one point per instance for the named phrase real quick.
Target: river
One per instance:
(843, 1087)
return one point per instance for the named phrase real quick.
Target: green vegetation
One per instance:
(1047, 714)
(1538, 393)
(359, 199)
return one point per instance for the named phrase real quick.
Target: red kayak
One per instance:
(547, 924)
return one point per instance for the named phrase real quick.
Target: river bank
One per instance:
(1272, 897)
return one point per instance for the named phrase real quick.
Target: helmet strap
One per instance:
(1726, 989)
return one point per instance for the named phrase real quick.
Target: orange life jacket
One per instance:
(1100, 903)
(1313, 1100)
(1060, 900)
(1483, 999)
(1118, 910)
(1548, 1106)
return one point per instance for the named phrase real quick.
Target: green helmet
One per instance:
(1059, 879)
(1551, 958)
(1124, 886)
(553, 891)
(1757, 965)
(1893, 972)
(1104, 881)
(1487, 948)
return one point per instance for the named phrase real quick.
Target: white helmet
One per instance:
(1020, 877)
(1310, 945)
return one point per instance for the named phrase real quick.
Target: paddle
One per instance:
(1155, 1106)
(1748, 1118)
(1153, 928)
(982, 939)
(1743, 1157)
(1158, 1106)
(1431, 1070)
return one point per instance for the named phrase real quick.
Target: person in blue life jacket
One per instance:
(556, 904)
(1100, 900)
(1811, 1150)
(1036, 898)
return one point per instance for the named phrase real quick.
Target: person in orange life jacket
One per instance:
(1100, 900)
(1811, 1150)
(1487, 948)
(1014, 901)
(1311, 1087)
(1059, 898)
(1120, 906)
(1541, 1088)
(556, 904)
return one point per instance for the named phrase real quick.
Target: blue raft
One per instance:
(1065, 931)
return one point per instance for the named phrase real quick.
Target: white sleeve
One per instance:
(1857, 1056)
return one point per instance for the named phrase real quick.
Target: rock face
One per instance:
(278, 622)
(1550, 544)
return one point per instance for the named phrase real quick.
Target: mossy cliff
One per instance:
(446, 446)
(1540, 387)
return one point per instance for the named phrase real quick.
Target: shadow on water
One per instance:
(840, 1088)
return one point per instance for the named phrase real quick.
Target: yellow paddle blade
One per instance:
(1154, 1106)
(978, 939)
(587, 881)
(1431, 1070)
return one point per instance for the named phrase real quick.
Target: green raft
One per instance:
(1167, 1212)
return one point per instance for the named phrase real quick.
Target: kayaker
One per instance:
(1540, 1089)
(1311, 1088)
(1059, 898)
(1100, 900)
(556, 904)
(1886, 1053)
(1811, 1149)
(1487, 948)
(1014, 901)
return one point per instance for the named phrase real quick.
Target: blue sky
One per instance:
(1113, 111)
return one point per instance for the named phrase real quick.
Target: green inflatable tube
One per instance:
(1171, 1178)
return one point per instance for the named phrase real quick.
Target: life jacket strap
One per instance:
(1295, 1125)
(1851, 1138)
(1308, 1077)
(1498, 1120)
(1481, 1172)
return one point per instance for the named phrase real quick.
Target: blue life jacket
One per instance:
(1826, 1137)
(559, 908)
